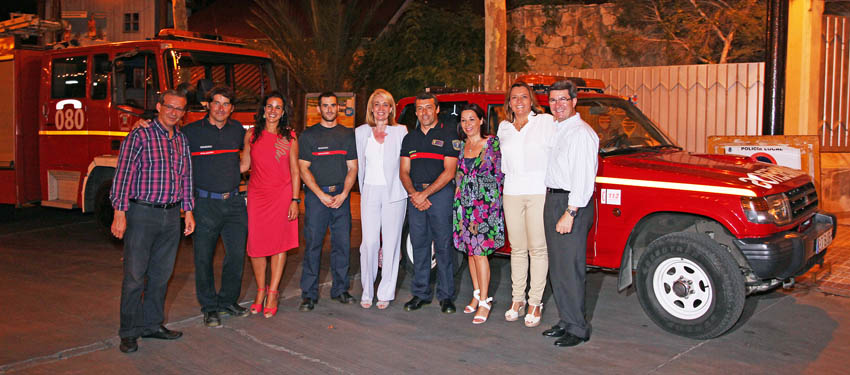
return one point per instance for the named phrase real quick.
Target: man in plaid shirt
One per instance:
(152, 182)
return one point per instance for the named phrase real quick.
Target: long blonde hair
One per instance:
(370, 117)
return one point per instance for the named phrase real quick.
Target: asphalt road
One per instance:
(60, 287)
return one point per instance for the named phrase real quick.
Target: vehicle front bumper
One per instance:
(787, 254)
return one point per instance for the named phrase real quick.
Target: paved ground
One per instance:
(60, 287)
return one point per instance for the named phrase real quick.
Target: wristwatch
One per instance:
(572, 213)
(296, 200)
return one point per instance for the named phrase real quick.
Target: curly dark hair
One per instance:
(283, 128)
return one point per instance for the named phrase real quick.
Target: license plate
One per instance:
(823, 241)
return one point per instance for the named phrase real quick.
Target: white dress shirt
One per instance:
(524, 154)
(374, 162)
(573, 159)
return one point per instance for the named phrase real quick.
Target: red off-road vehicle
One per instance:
(694, 233)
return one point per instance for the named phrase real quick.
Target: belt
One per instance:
(331, 188)
(155, 205)
(557, 191)
(208, 194)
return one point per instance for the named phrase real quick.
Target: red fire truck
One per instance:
(67, 110)
(694, 233)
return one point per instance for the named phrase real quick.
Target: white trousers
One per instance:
(381, 223)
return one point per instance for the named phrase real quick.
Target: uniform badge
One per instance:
(456, 144)
(437, 142)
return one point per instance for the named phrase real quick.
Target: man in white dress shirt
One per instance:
(568, 212)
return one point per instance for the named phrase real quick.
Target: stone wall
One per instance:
(566, 36)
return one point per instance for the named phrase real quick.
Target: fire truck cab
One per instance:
(72, 107)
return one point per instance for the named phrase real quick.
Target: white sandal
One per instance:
(482, 304)
(512, 315)
(469, 309)
(530, 319)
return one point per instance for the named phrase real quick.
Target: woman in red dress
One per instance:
(271, 153)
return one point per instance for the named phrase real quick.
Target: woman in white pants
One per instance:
(383, 200)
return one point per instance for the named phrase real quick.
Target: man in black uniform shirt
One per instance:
(328, 162)
(215, 142)
(427, 170)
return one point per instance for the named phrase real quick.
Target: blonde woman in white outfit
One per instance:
(383, 200)
(523, 135)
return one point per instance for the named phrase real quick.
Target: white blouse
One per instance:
(524, 155)
(374, 162)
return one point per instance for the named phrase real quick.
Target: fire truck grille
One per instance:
(803, 199)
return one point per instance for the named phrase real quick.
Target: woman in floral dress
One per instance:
(478, 222)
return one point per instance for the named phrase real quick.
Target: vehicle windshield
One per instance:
(621, 126)
(250, 77)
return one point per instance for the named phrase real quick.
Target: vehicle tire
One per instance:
(103, 211)
(407, 255)
(689, 285)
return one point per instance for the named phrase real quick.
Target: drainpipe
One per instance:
(773, 122)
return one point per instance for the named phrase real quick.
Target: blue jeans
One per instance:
(150, 247)
(228, 219)
(317, 219)
(432, 225)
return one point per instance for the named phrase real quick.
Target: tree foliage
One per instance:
(691, 31)
(316, 40)
(431, 47)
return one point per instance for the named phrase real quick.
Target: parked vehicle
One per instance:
(72, 107)
(694, 233)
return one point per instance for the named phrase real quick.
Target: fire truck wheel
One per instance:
(103, 211)
(690, 286)
(407, 256)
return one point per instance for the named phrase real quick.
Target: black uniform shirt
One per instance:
(427, 151)
(327, 150)
(215, 154)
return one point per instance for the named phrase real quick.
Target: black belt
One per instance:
(155, 205)
(557, 191)
(208, 194)
(331, 188)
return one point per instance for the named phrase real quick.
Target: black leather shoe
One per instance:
(570, 340)
(234, 310)
(447, 306)
(307, 304)
(211, 319)
(555, 331)
(128, 344)
(415, 303)
(344, 297)
(163, 334)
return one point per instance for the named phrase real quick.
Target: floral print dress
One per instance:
(478, 222)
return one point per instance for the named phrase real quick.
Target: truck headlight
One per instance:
(766, 210)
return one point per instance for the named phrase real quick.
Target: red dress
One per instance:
(269, 195)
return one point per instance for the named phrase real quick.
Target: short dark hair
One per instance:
(172, 92)
(326, 94)
(564, 84)
(427, 96)
(479, 112)
(222, 90)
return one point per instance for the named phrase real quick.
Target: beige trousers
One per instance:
(524, 220)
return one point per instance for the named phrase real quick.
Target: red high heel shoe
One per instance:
(257, 307)
(269, 312)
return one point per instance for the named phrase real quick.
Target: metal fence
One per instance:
(835, 82)
(688, 102)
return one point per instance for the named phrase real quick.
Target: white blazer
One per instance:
(392, 157)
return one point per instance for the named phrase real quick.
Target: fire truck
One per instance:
(693, 233)
(66, 111)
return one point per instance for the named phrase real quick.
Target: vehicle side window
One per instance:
(135, 81)
(408, 116)
(100, 77)
(450, 113)
(69, 77)
(495, 115)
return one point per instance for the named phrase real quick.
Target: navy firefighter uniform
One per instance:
(427, 153)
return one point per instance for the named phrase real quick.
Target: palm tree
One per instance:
(316, 41)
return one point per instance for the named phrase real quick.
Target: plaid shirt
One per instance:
(152, 167)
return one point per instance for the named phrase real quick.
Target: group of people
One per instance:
(459, 188)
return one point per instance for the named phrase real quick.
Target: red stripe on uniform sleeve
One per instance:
(427, 155)
(213, 152)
